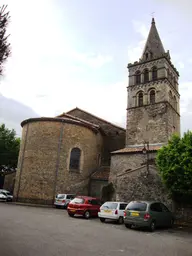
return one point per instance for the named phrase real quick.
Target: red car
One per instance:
(85, 206)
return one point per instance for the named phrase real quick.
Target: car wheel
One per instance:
(87, 215)
(120, 220)
(102, 219)
(152, 226)
(128, 225)
(71, 214)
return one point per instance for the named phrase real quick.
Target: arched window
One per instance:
(152, 97)
(146, 76)
(138, 77)
(75, 158)
(174, 103)
(146, 55)
(140, 99)
(154, 73)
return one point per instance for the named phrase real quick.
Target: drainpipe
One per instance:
(22, 160)
(58, 160)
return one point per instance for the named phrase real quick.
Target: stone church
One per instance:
(77, 152)
(152, 117)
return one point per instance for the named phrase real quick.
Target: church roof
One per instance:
(137, 148)
(153, 45)
(101, 174)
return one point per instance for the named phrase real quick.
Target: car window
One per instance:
(122, 206)
(95, 202)
(60, 196)
(164, 208)
(156, 207)
(78, 200)
(109, 205)
(3, 193)
(70, 197)
(136, 206)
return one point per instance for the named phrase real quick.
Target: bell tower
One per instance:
(153, 110)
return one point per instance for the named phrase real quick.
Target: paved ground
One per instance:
(31, 231)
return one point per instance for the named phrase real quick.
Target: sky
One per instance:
(71, 53)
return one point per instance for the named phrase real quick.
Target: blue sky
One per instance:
(68, 53)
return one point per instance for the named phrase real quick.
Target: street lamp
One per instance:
(146, 152)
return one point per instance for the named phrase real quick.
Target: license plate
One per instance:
(107, 211)
(135, 214)
(72, 210)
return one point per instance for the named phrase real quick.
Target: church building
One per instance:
(153, 115)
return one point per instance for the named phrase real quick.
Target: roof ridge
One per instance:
(97, 118)
(79, 119)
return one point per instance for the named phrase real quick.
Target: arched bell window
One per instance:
(152, 97)
(154, 73)
(146, 75)
(138, 77)
(75, 159)
(140, 99)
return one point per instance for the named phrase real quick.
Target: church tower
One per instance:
(153, 111)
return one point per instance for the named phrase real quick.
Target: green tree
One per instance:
(9, 148)
(174, 162)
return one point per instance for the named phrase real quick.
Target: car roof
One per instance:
(116, 202)
(145, 201)
(87, 197)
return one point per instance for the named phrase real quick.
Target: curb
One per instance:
(32, 205)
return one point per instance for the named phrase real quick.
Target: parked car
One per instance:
(7, 194)
(113, 211)
(85, 206)
(149, 214)
(62, 200)
(3, 197)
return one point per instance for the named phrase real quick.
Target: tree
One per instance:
(9, 149)
(4, 45)
(174, 162)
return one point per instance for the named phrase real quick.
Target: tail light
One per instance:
(63, 201)
(147, 216)
(125, 214)
(116, 211)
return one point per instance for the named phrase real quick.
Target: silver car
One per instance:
(62, 200)
(7, 194)
(3, 197)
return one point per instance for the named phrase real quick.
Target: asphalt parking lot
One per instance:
(35, 231)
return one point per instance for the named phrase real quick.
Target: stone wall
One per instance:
(130, 179)
(96, 187)
(114, 137)
(43, 166)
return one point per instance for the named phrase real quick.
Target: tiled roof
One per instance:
(136, 149)
(102, 173)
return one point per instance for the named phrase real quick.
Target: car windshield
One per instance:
(109, 205)
(60, 196)
(77, 200)
(136, 206)
(8, 193)
(3, 193)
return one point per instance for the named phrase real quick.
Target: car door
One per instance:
(95, 205)
(156, 212)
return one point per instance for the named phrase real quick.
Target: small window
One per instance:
(146, 76)
(138, 77)
(174, 103)
(122, 206)
(154, 73)
(156, 207)
(140, 99)
(146, 55)
(75, 158)
(152, 97)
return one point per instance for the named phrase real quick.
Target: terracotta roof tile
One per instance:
(101, 174)
(136, 149)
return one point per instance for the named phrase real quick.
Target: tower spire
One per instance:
(153, 47)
